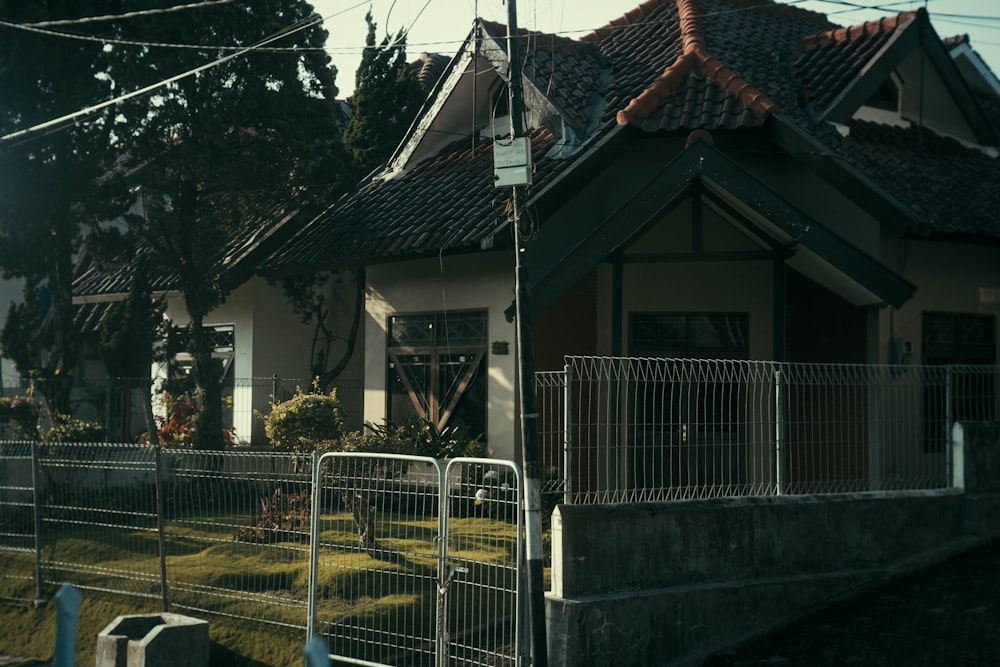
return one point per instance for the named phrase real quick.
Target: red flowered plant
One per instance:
(177, 429)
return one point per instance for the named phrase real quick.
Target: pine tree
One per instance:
(214, 151)
(51, 183)
(387, 96)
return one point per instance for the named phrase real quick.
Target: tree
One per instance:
(213, 154)
(387, 96)
(129, 335)
(51, 183)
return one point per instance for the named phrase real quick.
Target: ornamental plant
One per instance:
(305, 422)
(179, 426)
(70, 429)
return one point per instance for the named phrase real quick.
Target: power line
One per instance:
(33, 27)
(284, 32)
(127, 15)
(129, 42)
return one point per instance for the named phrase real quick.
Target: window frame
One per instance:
(439, 404)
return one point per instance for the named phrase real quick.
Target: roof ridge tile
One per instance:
(854, 32)
(695, 59)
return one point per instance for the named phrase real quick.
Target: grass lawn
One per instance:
(209, 571)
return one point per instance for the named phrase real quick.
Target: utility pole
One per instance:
(526, 368)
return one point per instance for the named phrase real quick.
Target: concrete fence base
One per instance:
(668, 583)
(153, 640)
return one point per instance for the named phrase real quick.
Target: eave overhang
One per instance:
(916, 34)
(562, 253)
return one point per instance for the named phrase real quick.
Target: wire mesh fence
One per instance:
(483, 563)
(237, 534)
(19, 579)
(98, 518)
(388, 589)
(243, 535)
(231, 538)
(656, 429)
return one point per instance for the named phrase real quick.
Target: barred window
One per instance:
(435, 368)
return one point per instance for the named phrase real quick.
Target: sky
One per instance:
(441, 25)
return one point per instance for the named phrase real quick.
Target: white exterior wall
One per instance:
(950, 277)
(708, 287)
(10, 292)
(269, 339)
(477, 281)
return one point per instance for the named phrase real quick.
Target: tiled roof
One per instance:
(442, 204)
(695, 59)
(569, 74)
(429, 67)
(939, 178)
(830, 60)
(667, 66)
(247, 246)
(955, 41)
(88, 317)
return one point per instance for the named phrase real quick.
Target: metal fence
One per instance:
(392, 559)
(389, 590)
(631, 429)
(234, 536)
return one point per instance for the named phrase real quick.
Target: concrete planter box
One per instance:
(153, 640)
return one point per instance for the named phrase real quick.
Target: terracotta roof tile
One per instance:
(568, 73)
(831, 59)
(939, 178)
(696, 58)
(429, 67)
(735, 63)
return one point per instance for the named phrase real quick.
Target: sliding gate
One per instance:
(413, 563)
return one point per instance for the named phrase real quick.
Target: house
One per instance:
(710, 179)
(257, 366)
(251, 371)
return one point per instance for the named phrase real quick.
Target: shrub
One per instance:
(422, 438)
(305, 422)
(70, 429)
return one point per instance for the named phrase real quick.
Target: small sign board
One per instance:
(512, 162)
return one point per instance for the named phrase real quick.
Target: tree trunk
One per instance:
(206, 371)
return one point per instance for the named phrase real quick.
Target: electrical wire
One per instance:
(284, 32)
(128, 15)
(142, 43)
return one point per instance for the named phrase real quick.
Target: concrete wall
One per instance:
(667, 583)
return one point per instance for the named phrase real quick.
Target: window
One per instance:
(958, 339)
(689, 335)
(686, 426)
(885, 97)
(435, 369)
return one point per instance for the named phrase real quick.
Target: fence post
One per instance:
(779, 420)
(567, 435)
(948, 416)
(314, 497)
(160, 519)
(36, 496)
